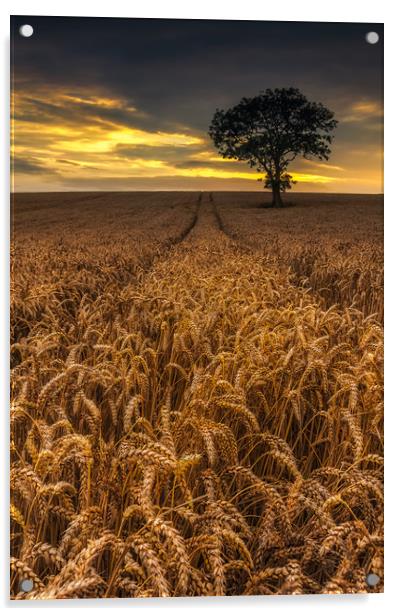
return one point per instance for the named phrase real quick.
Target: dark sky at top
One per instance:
(175, 73)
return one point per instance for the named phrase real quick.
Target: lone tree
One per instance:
(270, 130)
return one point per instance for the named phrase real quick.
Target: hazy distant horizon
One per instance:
(267, 193)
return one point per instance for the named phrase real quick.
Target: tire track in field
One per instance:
(294, 280)
(148, 262)
(217, 214)
(209, 227)
(206, 225)
(232, 237)
(182, 236)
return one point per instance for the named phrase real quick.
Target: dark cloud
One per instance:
(180, 70)
(73, 163)
(215, 164)
(74, 112)
(28, 166)
(155, 152)
(68, 162)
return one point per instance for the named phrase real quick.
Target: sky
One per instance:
(125, 104)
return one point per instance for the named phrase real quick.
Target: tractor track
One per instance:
(148, 262)
(217, 215)
(209, 225)
(206, 224)
(182, 236)
(233, 237)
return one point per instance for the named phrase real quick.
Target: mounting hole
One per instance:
(27, 585)
(26, 30)
(373, 579)
(372, 38)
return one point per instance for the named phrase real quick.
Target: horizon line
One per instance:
(147, 190)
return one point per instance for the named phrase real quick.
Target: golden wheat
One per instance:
(197, 393)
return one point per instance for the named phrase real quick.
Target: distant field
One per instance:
(197, 394)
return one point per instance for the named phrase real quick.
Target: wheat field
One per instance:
(196, 394)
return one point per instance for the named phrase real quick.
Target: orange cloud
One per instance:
(77, 137)
(363, 110)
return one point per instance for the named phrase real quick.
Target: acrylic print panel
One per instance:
(196, 384)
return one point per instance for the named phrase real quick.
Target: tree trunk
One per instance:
(276, 195)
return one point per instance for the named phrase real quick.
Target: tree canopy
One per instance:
(270, 130)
